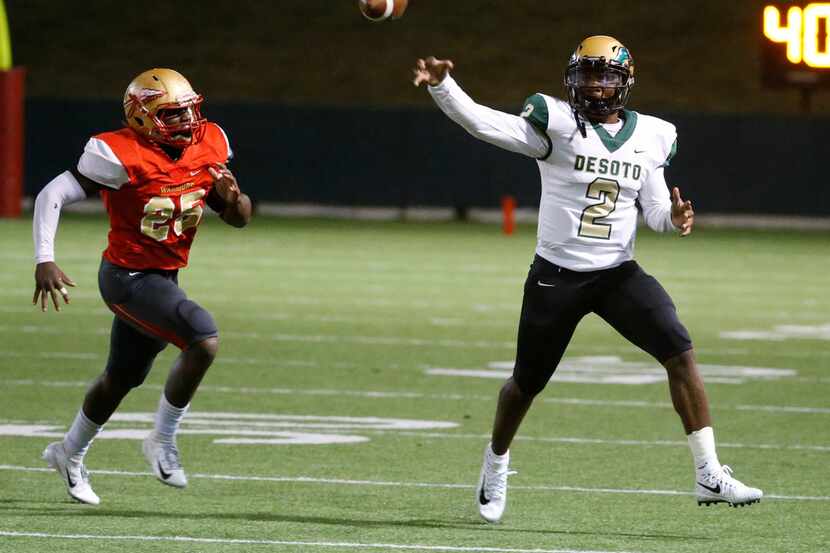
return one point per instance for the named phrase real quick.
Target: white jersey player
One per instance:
(600, 165)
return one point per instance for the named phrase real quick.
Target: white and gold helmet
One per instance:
(599, 62)
(155, 92)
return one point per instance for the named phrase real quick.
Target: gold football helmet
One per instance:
(599, 62)
(160, 105)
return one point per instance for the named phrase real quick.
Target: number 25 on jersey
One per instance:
(159, 213)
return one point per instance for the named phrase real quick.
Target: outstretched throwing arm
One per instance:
(504, 130)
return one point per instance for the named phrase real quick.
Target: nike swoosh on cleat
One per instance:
(133, 274)
(545, 284)
(481, 498)
(164, 475)
(69, 479)
(716, 489)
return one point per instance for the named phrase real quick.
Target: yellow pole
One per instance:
(5, 41)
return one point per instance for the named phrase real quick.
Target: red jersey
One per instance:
(153, 216)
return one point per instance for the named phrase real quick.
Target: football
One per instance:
(380, 10)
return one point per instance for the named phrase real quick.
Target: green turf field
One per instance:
(365, 339)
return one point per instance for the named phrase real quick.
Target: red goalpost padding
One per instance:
(11, 141)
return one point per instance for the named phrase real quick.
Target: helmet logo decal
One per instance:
(140, 98)
(622, 56)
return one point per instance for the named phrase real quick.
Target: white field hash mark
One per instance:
(611, 369)
(332, 544)
(399, 484)
(781, 333)
(245, 428)
(261, 434)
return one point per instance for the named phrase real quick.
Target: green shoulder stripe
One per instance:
(672, 153)
(536, 111)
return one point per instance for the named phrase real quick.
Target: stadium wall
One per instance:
(406, 157)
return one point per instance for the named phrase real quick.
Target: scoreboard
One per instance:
(795, 44)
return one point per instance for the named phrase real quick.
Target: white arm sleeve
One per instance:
(655, 201)
(99, 164)
(504, 130)
(62, 190)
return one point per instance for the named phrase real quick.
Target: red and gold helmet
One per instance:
(157, 96)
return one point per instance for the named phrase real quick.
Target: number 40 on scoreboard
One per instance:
(795, 46)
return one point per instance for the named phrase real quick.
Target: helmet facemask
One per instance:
(585, 77)
(187, 130)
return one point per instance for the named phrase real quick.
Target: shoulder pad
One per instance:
(666, 134)
(536, 112)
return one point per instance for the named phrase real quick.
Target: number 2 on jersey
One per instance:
(607, 191)
(159, 210)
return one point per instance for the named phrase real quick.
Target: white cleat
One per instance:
(720, 487)
(491, 492)
(164, 460)
(74, 475)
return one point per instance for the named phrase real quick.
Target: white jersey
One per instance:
(591, 186)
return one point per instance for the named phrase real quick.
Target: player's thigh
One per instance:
(639, 308)
(155, 305)
(552, 306)
(132, 353)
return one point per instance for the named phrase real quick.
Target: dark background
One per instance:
(318, 105)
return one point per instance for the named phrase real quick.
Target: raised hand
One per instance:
(50, 280)
(225, 183)
(431, 71)
(682, 214)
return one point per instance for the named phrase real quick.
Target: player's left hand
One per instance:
(225, 183)
(682, 214)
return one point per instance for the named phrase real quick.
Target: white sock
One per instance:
(168, 418)
(702, 444)
(80, 436)
(500, 459)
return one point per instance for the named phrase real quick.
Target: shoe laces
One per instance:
(495, 481)
(84, 473)
(170, 456)
(724, 477)
(78, 472)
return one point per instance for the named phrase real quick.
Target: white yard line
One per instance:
(329, 301)
(394, 341)
(601, 441)
(321, 544)
(397, 394)
(301, 338)
(193, 428)
(498, 322)
(398, 484)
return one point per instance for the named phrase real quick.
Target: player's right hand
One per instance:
(431, 71)
(50, 281)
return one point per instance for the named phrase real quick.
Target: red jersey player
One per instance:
(155, 176)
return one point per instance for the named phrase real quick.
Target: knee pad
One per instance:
(197, 319)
